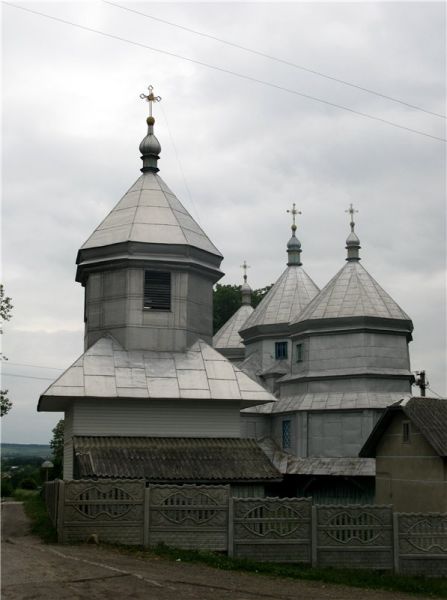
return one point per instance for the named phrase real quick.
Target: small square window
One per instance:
(280, 350)
(157, 290)
(286, 434)
(406, 432)
(299, 353)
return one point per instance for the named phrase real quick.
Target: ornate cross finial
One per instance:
(351, 211)
(150, 98)
(244, 267)
(294, 212)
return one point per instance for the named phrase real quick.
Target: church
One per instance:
(279, 402)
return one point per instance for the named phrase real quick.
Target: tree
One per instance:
(57, 447)
(5, 314)
(227, 299)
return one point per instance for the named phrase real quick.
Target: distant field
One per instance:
(42, 450)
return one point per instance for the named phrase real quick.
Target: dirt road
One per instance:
(32, 570)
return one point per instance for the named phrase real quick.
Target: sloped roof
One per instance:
(285, 300)
(228, 335)
(352, 292)
(329, 401)
(160, 459)
(105, 370)
(315, 465)
(428, 414)
(150, 212)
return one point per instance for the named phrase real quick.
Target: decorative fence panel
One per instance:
(272, 529)
(354, 536)
(111, 510)
(189, 516)
(422, 544)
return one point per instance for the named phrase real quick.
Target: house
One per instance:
(409, 444)
(149, 397)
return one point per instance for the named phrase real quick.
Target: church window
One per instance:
(157, 290)
(406, 432)
(299, 353)
(286, 434)
(280, 350)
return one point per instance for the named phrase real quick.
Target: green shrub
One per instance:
(28, 484)
(6, 488)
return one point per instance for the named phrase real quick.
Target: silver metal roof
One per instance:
(150, 212)
(105, 370)
(228, 335)
(352, 292)
(285, 300)
(313, 465)
(329, 401)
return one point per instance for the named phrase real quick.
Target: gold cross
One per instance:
(351, 211)
(150, 98)
(244, 267)
(294, 212)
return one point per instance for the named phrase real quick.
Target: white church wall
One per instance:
(130, 417)
(338, 433)
(255, 426)
(68, 444)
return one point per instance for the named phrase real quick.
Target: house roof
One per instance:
(313, 465)
(106, 370)
(150, 212)
(285, 300)
(329, 401)
(429, 415)
(228, 335)
(352, 292)
(160, 459)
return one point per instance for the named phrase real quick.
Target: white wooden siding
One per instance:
(68, 444)
(158, 418)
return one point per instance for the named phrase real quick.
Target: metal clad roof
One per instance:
(352, 292)
(228, 335)
(150, 212)
(313, 465)
(330, 401)
(285, 300)
(173, 459)
(105, 370)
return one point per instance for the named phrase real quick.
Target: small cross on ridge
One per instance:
(244, 267)
(150, 98)
(294, 212)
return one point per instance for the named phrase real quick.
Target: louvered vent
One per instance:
(157, 290)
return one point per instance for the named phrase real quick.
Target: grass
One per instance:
(429, 587)
(35, 509)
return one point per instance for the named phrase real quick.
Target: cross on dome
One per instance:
(351, 211)
(244, 267)
(150, 99)
(294, 212)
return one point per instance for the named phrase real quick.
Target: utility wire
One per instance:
(227, 71)
(28, 376)
(275, 58)
(35, 366)
(433, 392)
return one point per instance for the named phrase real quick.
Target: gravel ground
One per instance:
(32, 570)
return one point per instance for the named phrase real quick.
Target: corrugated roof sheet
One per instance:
(429, 415)
(352, 292)
(150, 212)
(329, 401)
(228, 335)
(285, 300)
(173, 459)
(340, 466)
(105, 370)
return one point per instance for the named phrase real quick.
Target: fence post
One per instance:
(60, 512)
(230, 526)
(314, 525)
(146, 515)
(396, 542)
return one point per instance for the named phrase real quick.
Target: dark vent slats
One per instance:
(157, 290)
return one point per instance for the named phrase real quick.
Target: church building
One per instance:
(150, 398)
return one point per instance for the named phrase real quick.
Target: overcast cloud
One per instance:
(73, 120)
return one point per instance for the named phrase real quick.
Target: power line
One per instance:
(275, 58)
(35, 366)
(28, 376)
(229, 72)
(433, 392)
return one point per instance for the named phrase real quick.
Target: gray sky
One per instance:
(73, 120)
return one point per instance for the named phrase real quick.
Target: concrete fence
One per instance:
(264, 529)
